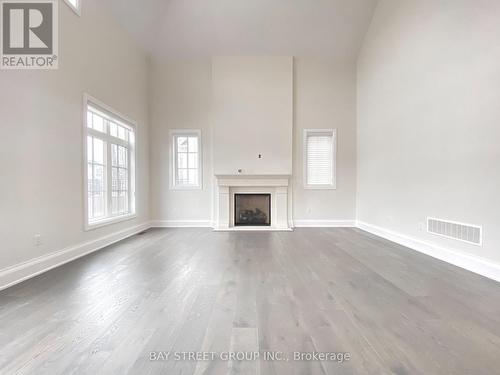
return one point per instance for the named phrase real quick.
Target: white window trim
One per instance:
(88, 99)
(333, 185)
(173, 167)
(77, 9)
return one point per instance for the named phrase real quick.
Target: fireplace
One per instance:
(228, 206)
(252, 209)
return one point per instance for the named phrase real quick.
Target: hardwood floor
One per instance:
(391, 309)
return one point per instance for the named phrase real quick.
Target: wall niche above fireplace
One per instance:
(252, 209)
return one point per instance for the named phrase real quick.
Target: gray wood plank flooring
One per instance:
(394, 311)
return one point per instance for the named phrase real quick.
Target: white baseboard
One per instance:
(297, 223)
(181, 224)
(324, 223)
(253, 229)
(471, 263)
(23, 271)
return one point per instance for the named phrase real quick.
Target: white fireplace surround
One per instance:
(276, 185)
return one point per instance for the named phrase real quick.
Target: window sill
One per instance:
(186, 188)
(108, 221)
(320, 187)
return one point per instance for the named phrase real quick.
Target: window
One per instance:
(110, 165)
(319, 159)
(75, 5)
(186, 159)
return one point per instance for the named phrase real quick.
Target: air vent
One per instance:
(472, 234)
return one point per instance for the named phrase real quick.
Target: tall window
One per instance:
(110, 175)
(319, 159)
(186, 159)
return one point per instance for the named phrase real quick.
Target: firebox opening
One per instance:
(252, 209)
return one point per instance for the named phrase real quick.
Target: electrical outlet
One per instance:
(38, 239)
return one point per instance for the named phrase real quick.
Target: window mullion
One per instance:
(129, 180)
(109, 181)
(107, 137)
(176, 162)
(92, 187)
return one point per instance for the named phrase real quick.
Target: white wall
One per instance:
(181, 98)
(324, 96)
(428, 119)
(252, 114)
(41, 177)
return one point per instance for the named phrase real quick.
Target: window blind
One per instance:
(319, 159)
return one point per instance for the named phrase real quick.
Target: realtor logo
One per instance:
(29, 34)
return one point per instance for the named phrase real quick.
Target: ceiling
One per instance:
(188, 28)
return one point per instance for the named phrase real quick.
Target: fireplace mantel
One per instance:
(229, 185)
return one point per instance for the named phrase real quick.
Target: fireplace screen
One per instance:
(252, 209)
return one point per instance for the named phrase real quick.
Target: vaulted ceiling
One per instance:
(187, 28)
